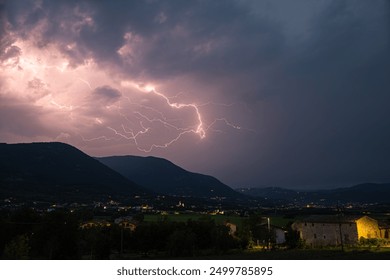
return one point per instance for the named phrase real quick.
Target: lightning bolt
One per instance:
(96, 138)
(87, 83)
(227, 123)
(145, 116)
(62, 107)
(200, 127)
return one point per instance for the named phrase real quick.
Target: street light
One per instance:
(269, 233)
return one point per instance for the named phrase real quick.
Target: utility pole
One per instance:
(341, 234)
(121, 240)
(269, 233)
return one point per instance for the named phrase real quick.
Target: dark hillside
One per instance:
(57, 170)
(162, 176)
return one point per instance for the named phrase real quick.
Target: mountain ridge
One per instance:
(163, 176)
(55, 170)
(58, 170)
(360, 193)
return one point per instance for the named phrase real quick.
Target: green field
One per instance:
(307, 254)
(219, 219)
(296, 254)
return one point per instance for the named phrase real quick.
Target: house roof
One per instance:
(124, 219)
(277, 227)
(330, 219)
(384, 224)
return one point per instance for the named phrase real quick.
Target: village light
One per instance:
(269, 233)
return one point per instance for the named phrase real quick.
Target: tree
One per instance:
(17, 249)
(223, 240)
(293, 239)
(204, 230)
(96, 242)
(57, 237)
(181, 243)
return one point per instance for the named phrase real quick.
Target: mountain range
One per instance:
(162, 176)
(362, 193)
(59, 171)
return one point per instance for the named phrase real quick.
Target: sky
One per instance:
(256, 93)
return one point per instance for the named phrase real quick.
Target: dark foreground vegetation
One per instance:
(26, 234)
(310, 254)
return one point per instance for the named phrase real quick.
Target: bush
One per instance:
(17, 249)
(373, 242)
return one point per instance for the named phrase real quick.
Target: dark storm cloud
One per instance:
(9, 52)
(195, 37)
(98, 102)
(333, 93)
(37, 89)
(218, 38)
(106, 93)
(313, 77)
(48, 22)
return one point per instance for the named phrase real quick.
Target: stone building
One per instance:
(384, 227)
(126, 223)
(330, 230)
(232, 228)
(95, 223)
(280, 234)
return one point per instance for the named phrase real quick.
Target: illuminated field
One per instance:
(219, 219)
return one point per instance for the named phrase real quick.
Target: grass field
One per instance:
(308, 254)
(219, 219)
(296, 254)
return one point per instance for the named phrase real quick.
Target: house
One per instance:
(97, 221)
(368, 227)
(232, 228)
(94, 223)
(279, 234)
(126, 223)
(384, 228)
(331, 230)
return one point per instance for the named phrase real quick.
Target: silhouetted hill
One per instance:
(362, 193)
(269, 192)
(162, 176)
(58, 171)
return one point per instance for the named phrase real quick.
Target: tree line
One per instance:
(26, 234)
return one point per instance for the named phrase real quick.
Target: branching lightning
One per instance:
(199, 128)
(96, 138)
(147, 117)
(87, 83)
